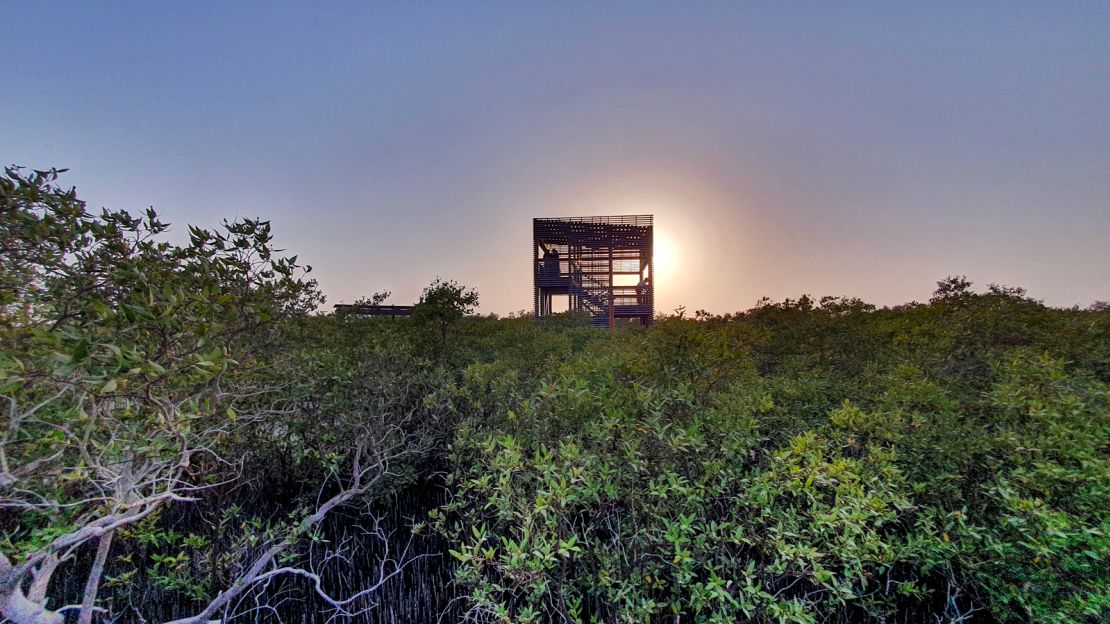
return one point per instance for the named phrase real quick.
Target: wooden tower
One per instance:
(602, 264)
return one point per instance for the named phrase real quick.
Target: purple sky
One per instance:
(864, 149)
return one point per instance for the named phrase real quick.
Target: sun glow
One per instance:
(665, 255)
(681, 242)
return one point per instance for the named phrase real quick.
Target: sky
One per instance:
(860, 149)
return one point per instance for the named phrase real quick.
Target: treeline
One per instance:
(186, 440)
(804, 461)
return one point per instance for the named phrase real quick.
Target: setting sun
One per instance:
(665, 255)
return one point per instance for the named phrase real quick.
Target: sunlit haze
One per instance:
(795, 148)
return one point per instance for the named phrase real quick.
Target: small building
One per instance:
(601, 266)
(392, 311)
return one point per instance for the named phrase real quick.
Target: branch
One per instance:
(363, 478)
(92, 583)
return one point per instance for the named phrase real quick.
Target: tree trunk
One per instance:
(92, 583)
(15, 607)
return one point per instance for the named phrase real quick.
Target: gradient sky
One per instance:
(786, 148)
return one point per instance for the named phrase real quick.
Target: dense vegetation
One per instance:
(185, 439)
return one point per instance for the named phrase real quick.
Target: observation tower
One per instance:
(601, 265)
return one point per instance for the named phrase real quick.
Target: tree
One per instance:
(375, 299)
(444, 302)
(126, 365)
(954, 289)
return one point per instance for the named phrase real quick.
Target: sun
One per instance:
(664, 255)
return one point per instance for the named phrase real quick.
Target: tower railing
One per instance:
(635, 220)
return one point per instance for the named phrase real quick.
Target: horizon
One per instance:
(848, 151)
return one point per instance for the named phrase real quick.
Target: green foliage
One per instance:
(811, 460)
(136, 374)
(1045, 550)
(801, 462)
(115, 348)
(443, 303)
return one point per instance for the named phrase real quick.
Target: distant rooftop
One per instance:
(373, 310)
